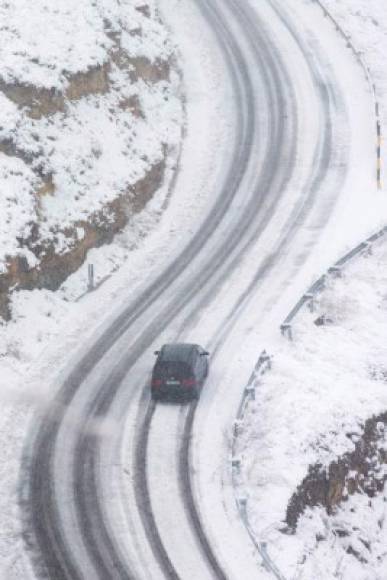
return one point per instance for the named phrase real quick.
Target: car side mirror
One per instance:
(156, 352)
(205, 353)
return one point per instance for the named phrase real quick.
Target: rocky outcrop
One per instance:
(40, 102)
(54, 268)
(133, 105)
(361, 471)
(36, 101)
(92, 82)
(151, 72)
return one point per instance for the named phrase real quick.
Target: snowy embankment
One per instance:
(306, 440)
(90, 127)
(310, 410)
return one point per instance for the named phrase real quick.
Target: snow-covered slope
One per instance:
(90, 121)
(311, 410)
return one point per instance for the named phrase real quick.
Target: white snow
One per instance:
(366, 23)
(323, 386)
(98, 145)
(17, 194)
(41, 43)
(361, 523)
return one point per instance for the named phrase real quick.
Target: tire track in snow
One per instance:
(45, 507)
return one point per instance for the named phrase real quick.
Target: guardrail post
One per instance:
(237, 427)
(265, 358)
(310, 301)
(335, 271)
(90, 270)
(242, 506)
(286, 330)
(368, 249)
(236, 464)
(378, 148)
(250, 392)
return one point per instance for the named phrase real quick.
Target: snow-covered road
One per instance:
(117, 487)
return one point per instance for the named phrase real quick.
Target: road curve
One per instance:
(84, 518)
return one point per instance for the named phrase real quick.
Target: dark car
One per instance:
(179, 372)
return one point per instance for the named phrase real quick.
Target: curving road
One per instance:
(112, 490)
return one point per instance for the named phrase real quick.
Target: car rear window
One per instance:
(172, 369)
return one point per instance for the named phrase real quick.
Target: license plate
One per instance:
(172, 382)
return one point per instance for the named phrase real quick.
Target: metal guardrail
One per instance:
(367, 71)
(263, 364)
(309, 296)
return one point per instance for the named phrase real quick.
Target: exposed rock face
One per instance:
(54, 268)
(361, 471)
(38, 102)
(94, 81)
(41, 102)
(133, 105)
(142, 67)
(144, 9)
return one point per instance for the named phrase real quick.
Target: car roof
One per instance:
(181, 352)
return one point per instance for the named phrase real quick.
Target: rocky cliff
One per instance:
(81, 151)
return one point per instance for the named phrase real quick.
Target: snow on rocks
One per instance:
(90, 113)
(350, 544)
(18, 207)
(42, 43)
(90, 105)
(39, 43)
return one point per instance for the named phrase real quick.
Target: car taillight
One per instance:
(189, 382)
(156, 382)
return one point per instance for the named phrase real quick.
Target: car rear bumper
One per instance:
(174, 392)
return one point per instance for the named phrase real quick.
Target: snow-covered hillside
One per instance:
(311, 410)
(90, 121)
